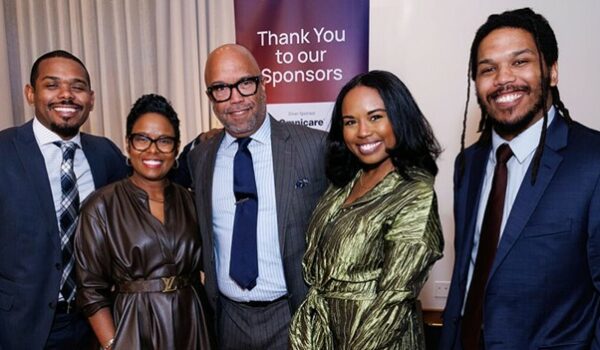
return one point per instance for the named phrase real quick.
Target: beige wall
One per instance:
(427, 42)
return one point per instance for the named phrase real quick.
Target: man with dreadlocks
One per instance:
(526, 203)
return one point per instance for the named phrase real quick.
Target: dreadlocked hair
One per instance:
(547, 47)
(461, 158)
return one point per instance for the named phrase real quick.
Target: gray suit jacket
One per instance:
(299, 166)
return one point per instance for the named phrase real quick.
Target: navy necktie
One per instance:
(472, 321)
(69, 212)
(243, 267)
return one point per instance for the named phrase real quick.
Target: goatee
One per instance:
(64, 131)
(519, 125)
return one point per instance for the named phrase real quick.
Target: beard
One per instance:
(520, 124)
(66, 131)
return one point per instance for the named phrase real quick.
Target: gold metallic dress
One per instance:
(366, 264)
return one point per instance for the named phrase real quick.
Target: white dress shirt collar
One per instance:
(45, 136)
(262, 135)
(526, 142)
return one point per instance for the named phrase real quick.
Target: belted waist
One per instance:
(255, 303)
(163, 285)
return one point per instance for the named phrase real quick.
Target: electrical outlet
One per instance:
(441, 289)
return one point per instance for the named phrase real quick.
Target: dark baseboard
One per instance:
(433, 328)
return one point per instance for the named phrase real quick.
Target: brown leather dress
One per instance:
(118, 241)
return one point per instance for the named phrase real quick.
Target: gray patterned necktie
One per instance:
(69, 212)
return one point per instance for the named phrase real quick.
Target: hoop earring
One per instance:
(128, 162)
(176, 166)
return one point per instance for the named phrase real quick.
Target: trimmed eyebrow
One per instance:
(376, 111)
(369, 112)
(57, 79)
(221, 83)
(154, 139)
(513, 54)
(520, 52)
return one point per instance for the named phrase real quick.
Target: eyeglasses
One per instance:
(245, 86)
(164, 144)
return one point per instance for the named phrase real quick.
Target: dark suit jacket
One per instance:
(298, 153)
(30, 255)
(180, 174)
(544, 287)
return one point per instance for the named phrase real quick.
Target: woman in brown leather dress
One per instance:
(137, 246)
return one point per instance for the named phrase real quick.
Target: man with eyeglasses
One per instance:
(48, 168)
(256, 184)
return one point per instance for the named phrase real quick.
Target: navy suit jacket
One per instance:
(299, 171)
(544, 287)
(30, 255)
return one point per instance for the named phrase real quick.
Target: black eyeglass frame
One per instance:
(210, 90)
(153, 141)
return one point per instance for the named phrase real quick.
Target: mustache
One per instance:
(238, 108)
(509, 88)
(65, 103)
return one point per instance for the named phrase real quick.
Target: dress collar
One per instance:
(526, 142)
(262, 135)
(45, 136)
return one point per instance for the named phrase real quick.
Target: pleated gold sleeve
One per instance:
(366, 264)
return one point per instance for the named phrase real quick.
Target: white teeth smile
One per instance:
(65, 109)
(368, 147)
(152, 162)
(508, 98)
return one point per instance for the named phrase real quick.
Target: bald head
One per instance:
(227, 67)
(229, 57)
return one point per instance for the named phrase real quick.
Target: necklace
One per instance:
(156, 200)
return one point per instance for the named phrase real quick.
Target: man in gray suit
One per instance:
(258, 231)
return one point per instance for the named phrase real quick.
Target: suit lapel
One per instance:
(95, 160)
(529, 195)
(207, 167)
(283, 167)
(476, 166)
(31, 158)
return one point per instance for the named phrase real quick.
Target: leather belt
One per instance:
(255, 303)
(162, 285)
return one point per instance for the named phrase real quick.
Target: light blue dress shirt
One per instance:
(270, 284)
(45, 139)
(523, 147)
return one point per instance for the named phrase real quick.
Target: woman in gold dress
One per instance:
(138, 247)
(375, 233)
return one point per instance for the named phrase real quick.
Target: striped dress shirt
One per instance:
(271, 280)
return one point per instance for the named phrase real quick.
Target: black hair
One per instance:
(415, 143)
(547, 47)
(152, 103)
(52, 54)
